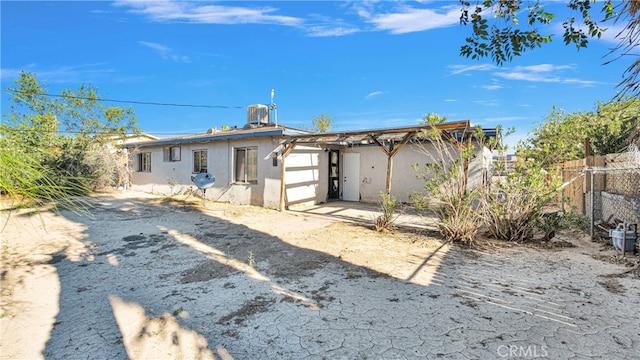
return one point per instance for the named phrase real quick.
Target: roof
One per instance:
(129, 138)
(213, 135)
(456, 129)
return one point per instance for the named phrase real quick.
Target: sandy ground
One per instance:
(149, 277)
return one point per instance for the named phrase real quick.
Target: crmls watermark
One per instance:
(519, 351)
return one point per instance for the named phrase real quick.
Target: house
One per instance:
(505, 162)
(275, 166)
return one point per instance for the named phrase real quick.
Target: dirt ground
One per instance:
(151, 277)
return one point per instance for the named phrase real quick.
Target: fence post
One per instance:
(562, 193)
(591, 230)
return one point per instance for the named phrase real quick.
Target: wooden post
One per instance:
(285, 151)
(387, 188)
(587, 148)
(282, 188)
(391, 152)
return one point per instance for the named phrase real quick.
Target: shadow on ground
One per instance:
(166, 279)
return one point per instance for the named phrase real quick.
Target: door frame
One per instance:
(334, 193)
(351, 177)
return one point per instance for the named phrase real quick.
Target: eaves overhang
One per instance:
(207, 138)
(456, 129)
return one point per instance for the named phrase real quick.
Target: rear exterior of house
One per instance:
(240, 160)
(371, 165)
(247, 165)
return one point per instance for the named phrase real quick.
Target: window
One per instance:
(199, 161)
(171, 153)
(246, 165)
(144, 162)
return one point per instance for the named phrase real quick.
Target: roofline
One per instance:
(456, 125)
(206, 138)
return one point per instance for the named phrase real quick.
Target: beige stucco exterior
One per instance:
(306, 177)
(404, 180)
(219, 163)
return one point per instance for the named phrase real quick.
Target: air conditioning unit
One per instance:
(257, 115)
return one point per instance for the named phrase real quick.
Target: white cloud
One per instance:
(165, 52)
(409, 19)
(459, 69)
(62, 74)
(543, 67)
(487, 102)
(610, 35)
(372, 95)
(327, 31)
(504, 119)
(540, 73)
(544, 73)
(492, 87)
(196, 12)
(6, 74)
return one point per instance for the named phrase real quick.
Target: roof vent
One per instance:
(258, 115)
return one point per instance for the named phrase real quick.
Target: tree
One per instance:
(609, 129)
(321, 124)
(506, 37)
(560, 138)
(445, 179)
(53, 146)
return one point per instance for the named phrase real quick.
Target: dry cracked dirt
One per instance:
(152, 277)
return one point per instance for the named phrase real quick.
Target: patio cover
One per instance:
(389, 141)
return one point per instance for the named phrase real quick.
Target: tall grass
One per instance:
(25, 182)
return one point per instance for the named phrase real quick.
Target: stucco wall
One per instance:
(306, 176)
(373, 170)
(219, 163)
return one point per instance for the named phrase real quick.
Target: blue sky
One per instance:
(369, 64)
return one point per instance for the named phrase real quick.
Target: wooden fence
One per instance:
(614, 174)
(576, 178)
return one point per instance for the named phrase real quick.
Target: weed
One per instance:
(251, 260)
(563, 221)
(388, 205)
(419, 201)
(172, 184)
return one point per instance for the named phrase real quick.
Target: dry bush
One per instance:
(512, 208)
(445, 179)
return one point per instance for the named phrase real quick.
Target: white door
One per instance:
(351, 177)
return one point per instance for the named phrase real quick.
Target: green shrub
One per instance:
(388, 205)
(512, 208)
